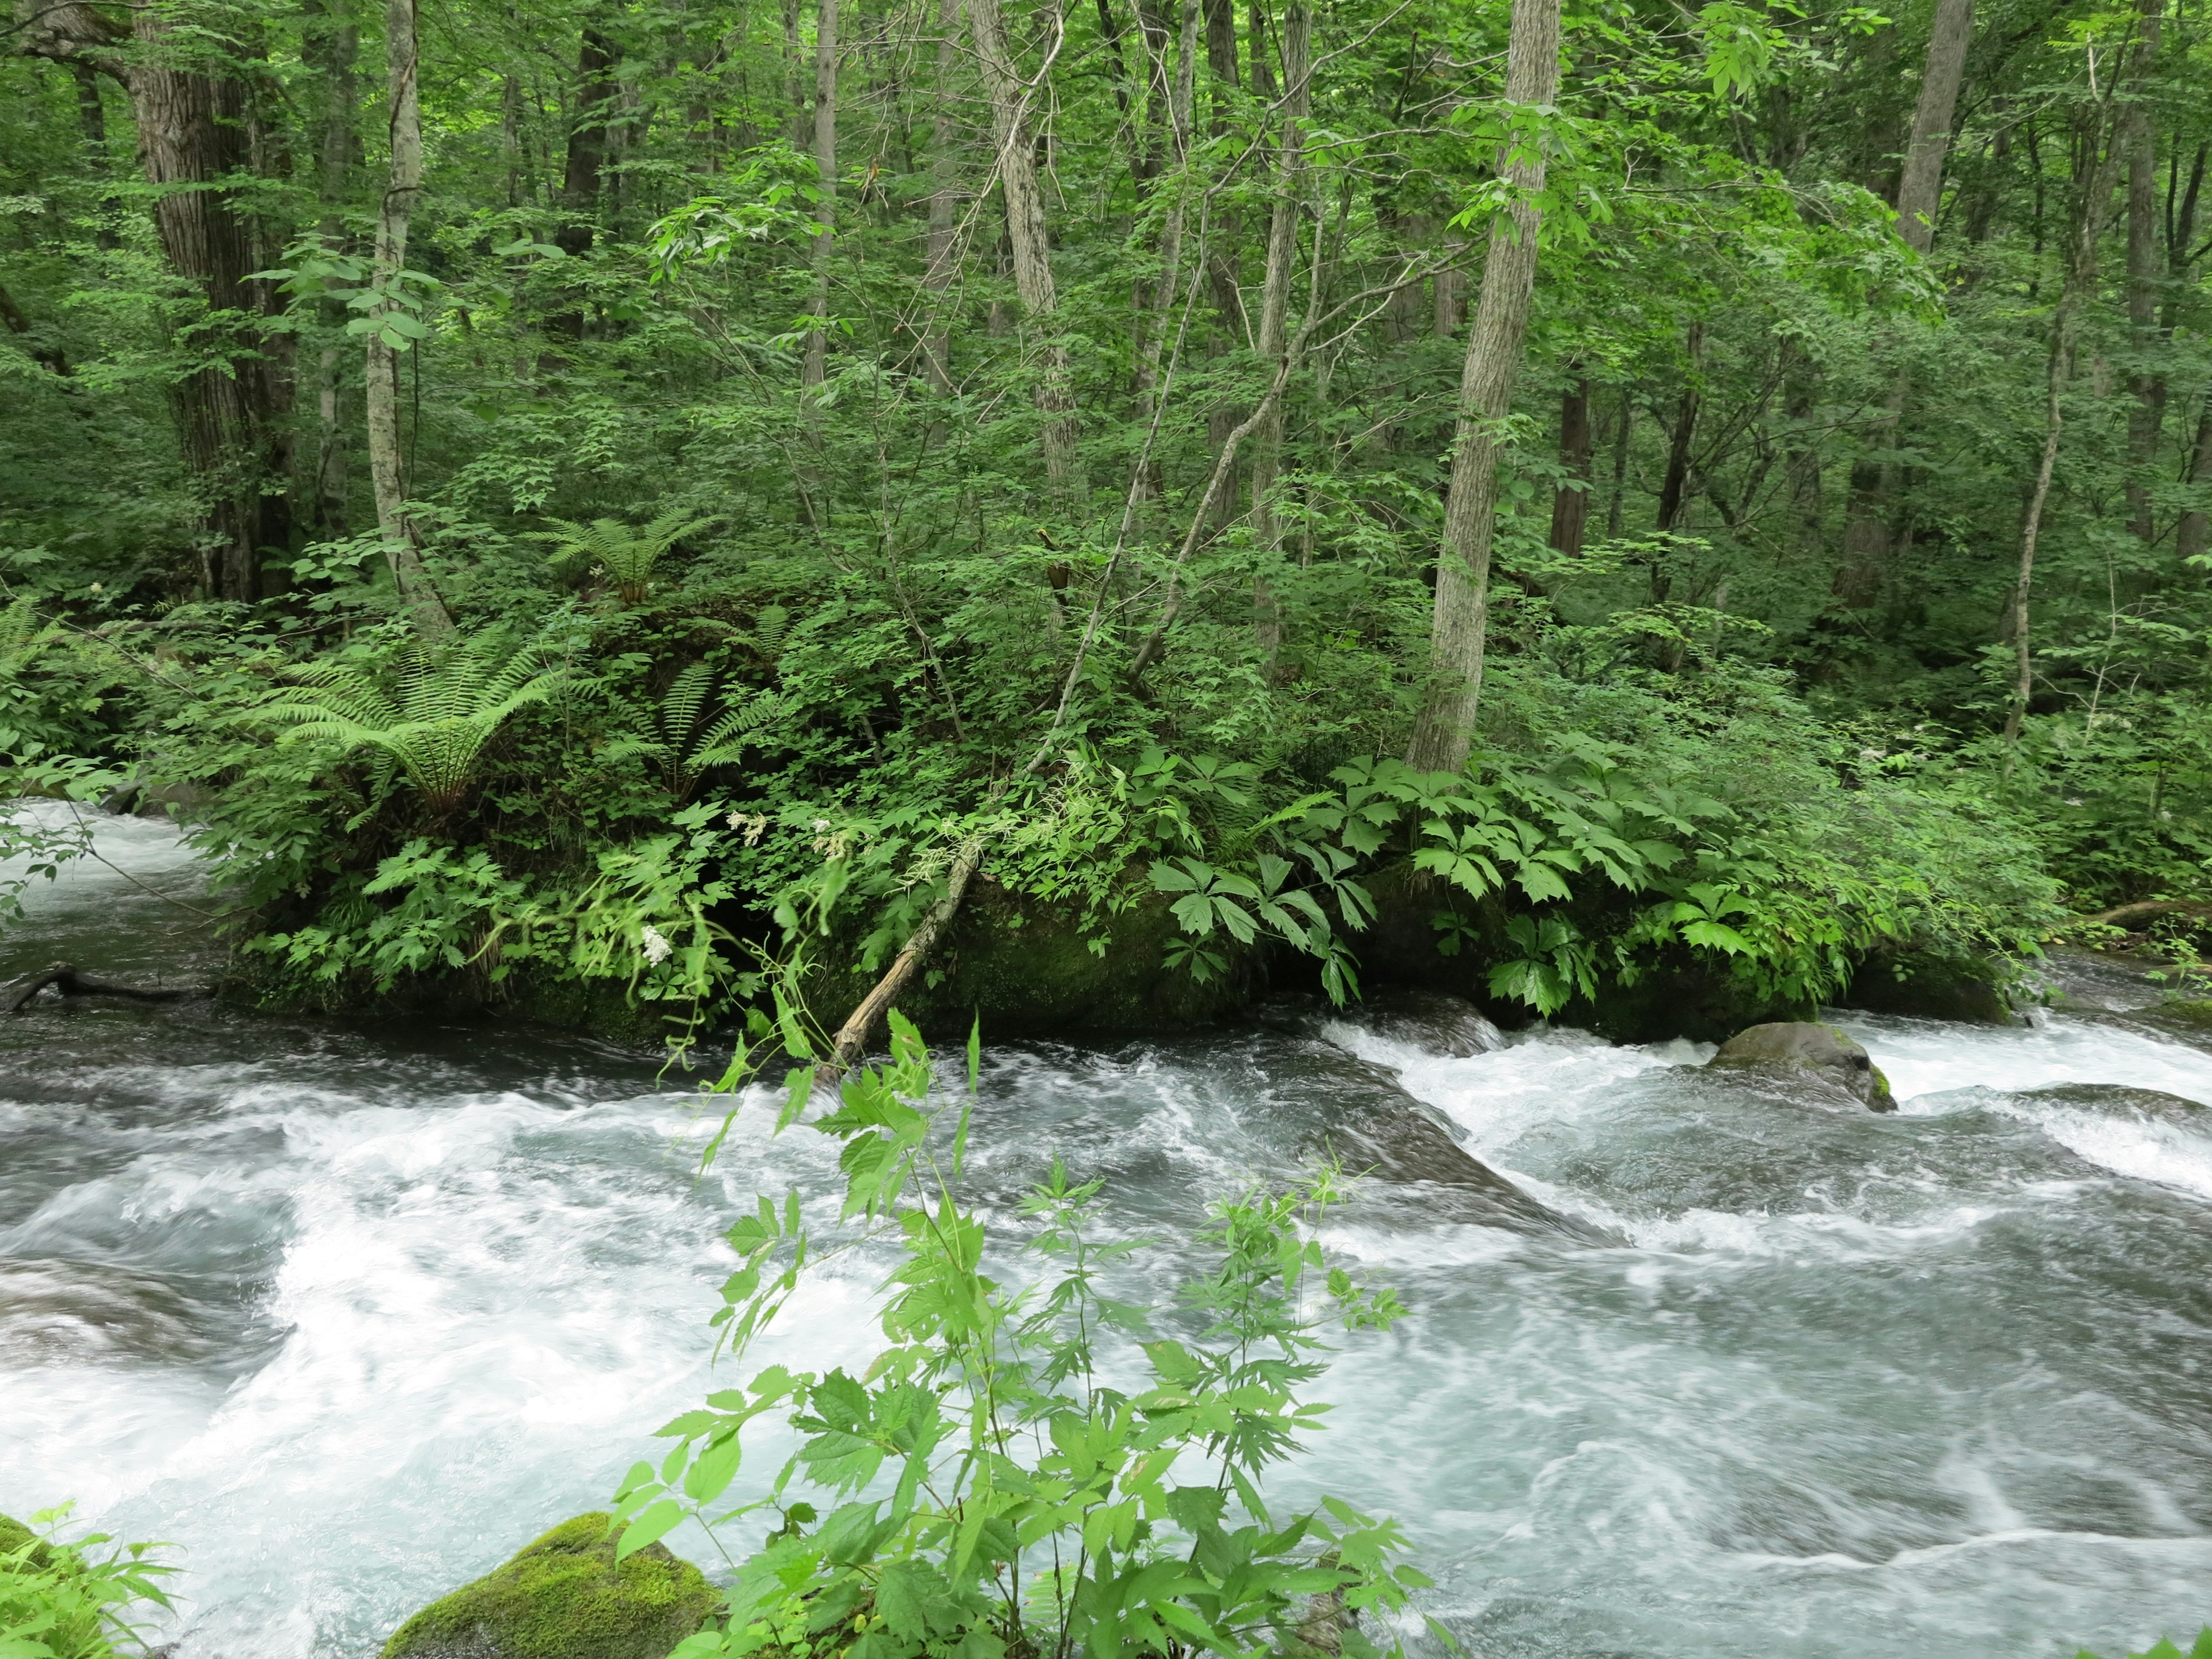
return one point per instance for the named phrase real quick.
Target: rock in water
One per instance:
(565, 1597)
(1820, 1051)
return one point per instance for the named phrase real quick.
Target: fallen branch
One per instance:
(70, 983)
(852, 1037)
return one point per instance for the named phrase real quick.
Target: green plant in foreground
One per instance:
(66, 1601)
(447, 702)
(2201, 1649)
(1028, 1472)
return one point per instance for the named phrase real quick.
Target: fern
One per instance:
(626, 557)
(687, 743)
(433, 724)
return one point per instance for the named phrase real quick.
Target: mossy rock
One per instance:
(1934, 985)
(2195, 1010)
(1025, 967)
(565, 1596)
(14, 1534)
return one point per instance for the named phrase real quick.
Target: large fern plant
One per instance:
(430, 714)
(628, 557)
(686, 741)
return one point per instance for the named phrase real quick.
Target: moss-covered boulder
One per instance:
(1026, 966)
(1810, 1049)
(1935, 985)
(565, 1596)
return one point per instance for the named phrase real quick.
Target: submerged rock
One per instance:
(2123, 1098)
(565, 1596)
(58, 1310)
(1818, 1050)
(1433, 1022)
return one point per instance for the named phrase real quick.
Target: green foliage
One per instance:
(982, 1489)
(625, 557)
(429, 708)
(2201, 1649)
(68, 1599)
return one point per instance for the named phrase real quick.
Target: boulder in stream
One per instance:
(565, 1596)
(1811, 1048)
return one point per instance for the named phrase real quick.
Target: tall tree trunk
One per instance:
(1875, 480)
(1274, 314)
(2092, 195)
(402, 536)
(1920, 186)
(1031, 247)
(814, 367)
(597, 94)
(1570, 505)
(2192, 539)
(2145, 381)
(1444, 733)
(941, 262)
(194, 142)
(331, 47)
(1674, 486)
(1616, 498)
(1182, 103)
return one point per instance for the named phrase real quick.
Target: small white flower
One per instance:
(2075, 801)
(657, 947)
(1874, 754)
(735, 820)
(821, 824)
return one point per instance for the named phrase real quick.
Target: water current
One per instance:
(1709, 1366)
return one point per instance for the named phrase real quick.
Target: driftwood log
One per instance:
(2144, 911)
(69, 982)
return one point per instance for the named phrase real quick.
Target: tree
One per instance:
(1444, 730)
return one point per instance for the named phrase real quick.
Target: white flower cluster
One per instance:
(657, 947)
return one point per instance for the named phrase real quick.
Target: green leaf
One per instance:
(657, 1521)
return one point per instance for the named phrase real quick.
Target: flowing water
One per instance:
(1718, 1368)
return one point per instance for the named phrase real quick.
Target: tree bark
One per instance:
(816, 366)
(1920, 186)
(2145, 381)
(1031, 246)
(330, 47)
(2091, 198)
(1874, 482)
(402, 536)
(943, 202)
(193, 136)
(1444, 733)
(2193, 537)
(1275, 316)
(584, 167)
(1570, 505)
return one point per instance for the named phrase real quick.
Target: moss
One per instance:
(1025, 966)
(2195, 1010)
(1934, 985)
(14, 1534)
(564, 1596)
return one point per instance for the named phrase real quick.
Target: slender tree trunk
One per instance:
(2145, 381)
(1181, 108)
(332, 47)
(1920, 186)
(2193, 537)
(1444, 733)
(403, 541)
(1616, 500)
(1031, 247)
(2091, 198)
(944, 204)
(1274, 315)
(1570, 505)
(1675, 487)
(816, 366)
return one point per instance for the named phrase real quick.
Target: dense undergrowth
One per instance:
(665, 795)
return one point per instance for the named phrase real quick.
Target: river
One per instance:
(349, 1312)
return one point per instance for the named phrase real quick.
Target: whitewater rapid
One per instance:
(350, 1312)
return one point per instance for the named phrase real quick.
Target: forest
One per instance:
(1095, 510)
